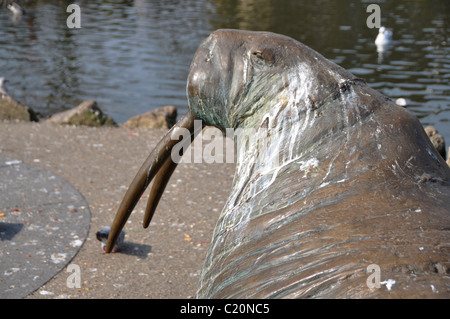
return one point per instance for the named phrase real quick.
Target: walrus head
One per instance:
(238, 79)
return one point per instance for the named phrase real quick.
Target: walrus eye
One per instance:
(262, 58)
(258, 57)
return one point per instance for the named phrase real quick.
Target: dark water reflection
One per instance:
(133, 56)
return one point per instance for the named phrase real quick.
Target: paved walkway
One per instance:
(44, 221)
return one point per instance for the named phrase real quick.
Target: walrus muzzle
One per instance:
(158, 166)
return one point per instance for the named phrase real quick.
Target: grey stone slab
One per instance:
(44, 221)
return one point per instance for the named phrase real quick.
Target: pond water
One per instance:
(134, 56)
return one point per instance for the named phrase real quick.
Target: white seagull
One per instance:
(384, 38)
(16, 10)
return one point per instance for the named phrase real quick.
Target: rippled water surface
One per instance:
(134, 56)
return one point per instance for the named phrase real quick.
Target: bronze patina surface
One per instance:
(331, 178)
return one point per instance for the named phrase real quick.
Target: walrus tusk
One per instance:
(160, 164)
(160, 182)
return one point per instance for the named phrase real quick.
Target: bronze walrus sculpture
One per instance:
(339, 181)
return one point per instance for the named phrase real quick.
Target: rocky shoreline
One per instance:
(87, 113)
